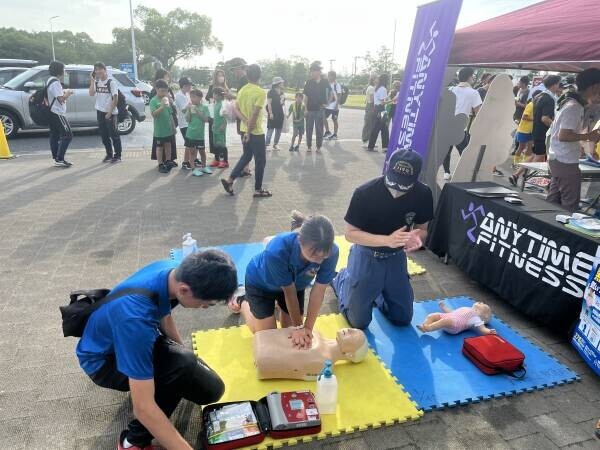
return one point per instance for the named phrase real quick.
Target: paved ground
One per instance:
(93, 224)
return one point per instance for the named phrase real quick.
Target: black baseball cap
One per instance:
(403, 170)
(315, 66)
(236, 63)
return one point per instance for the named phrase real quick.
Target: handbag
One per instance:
(493, 355)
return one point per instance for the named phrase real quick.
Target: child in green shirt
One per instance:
(164, 127)
(197, 115)
(297, 110)
(219, 127)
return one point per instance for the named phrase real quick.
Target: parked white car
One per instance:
(146, 88)
(81, 111)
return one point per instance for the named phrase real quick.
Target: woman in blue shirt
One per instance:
(281, 273)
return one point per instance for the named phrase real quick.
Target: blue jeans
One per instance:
(60, 136)
(374, 281)
(270, 133)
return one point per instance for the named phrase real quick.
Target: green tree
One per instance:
(381, 62)
(178, 35)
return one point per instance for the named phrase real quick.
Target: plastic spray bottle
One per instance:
(189, 245)
(327, 390)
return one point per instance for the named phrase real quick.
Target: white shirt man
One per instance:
(468, 99)
(54, 91)
(105, 92)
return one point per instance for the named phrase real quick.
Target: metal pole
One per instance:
(135, 69)
(393, 51)
(52, 36)
(331, 61)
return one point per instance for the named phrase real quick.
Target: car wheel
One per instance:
(146, 97)
(127, 125)
(10, 123)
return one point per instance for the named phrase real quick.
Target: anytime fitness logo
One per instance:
(418, 84)
(526, 249)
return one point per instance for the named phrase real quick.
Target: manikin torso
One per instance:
(275, 357)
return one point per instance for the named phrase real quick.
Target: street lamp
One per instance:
(135, 70)
(52, 36)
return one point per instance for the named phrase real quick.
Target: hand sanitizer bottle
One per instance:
(189, 245)
(327, 390)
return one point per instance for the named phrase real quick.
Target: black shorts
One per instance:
(183, 131)
(539, 147)
(262, 303)
(195, 143)
(334, 113)
(161, 141)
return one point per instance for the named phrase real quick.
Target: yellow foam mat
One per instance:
(368, 397)
(344, 246)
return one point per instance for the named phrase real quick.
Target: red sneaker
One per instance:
(223, 165)
(215, 163)
(120, 444)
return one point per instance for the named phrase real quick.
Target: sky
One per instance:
(321, 30)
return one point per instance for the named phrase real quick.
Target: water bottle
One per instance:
(189, 245)
(327, 390)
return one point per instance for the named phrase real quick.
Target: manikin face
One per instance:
(353, 343)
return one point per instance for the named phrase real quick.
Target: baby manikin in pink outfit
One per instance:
(458, 320)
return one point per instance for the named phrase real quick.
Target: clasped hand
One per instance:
(410, 240)
(301, 338)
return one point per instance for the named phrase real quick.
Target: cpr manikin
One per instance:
(274, 357)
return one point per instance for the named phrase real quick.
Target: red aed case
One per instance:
(280, 415)
(493, 354)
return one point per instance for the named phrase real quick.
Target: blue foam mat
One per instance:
(436, 374)
(240, 253)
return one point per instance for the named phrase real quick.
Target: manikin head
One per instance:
(483, 311)
(353, 344)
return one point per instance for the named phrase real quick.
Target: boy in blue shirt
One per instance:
(281, 273)
(132, 344)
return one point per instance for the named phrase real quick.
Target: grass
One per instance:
(355, 101)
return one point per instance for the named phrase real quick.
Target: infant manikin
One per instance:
(275, 357)
(458, 320)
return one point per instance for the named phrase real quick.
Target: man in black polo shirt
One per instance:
(315, 100)
(544, 105)
(387, 217)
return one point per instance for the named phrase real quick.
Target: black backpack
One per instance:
(39, 109)
(83, 303)
(344, 94)
(122, 108)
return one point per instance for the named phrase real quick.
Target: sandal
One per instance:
(263, 193)
(246, 173)
(227, 186)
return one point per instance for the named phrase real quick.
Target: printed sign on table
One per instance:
(586, 338)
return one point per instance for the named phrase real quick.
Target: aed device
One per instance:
(279, 414)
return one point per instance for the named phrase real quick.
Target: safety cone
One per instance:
(4, 150)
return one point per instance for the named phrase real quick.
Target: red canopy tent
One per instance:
(556, 35)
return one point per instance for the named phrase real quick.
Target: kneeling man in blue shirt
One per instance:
(132, 344)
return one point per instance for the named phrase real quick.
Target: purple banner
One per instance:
(430, 46)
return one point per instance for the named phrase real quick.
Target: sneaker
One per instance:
(57, 163)
(186, 166)
(292, 148)
(215, 163)
(198, 163)
(333, 137)
(297, 148)
(170, 164)
(120, 445)
(198, 172)
(207, 170)
(365, 144)
(513, 180)
(497, 173)
(63, 163)
(223, 165)
(308, 150)
(326, 135)
(276, 148)
(447, 176)
(116, 159)
(162, 168)
(107, 159)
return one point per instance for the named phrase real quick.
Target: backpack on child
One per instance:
(39, 109)
(122, 108)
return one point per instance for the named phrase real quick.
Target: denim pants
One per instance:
(60, 136)
(178, 374)
(254, 148)
(374, 281)
(270, 133)
(315, 119)
(108, 131)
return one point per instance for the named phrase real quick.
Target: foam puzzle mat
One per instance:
(243, 253)
(361, 405)
(436, 374)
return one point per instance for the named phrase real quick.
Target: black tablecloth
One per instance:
(519, 252)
